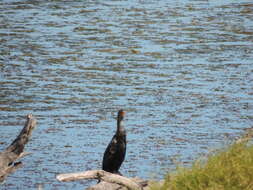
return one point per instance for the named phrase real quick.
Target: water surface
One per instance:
(182, 71)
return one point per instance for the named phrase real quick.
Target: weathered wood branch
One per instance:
(102, 176)
(15, 150)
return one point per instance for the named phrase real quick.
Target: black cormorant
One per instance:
(115, 152)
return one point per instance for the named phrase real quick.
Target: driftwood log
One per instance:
(15, 150)
(108, 181)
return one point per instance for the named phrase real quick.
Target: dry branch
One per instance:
(15, 150)
(102, 176)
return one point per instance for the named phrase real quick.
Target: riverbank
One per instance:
(226, 169)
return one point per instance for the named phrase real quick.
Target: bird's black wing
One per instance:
(110, 153)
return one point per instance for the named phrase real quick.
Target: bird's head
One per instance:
(121, 114)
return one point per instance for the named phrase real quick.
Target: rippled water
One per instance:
(183, 70)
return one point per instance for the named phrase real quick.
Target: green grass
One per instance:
(227, 169)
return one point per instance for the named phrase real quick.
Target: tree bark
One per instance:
(15, 150)
(108, 180)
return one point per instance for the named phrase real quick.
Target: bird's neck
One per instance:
(120, 127)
